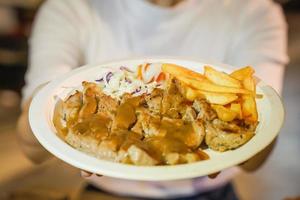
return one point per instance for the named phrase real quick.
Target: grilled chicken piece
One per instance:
(221, 140)
(59, 120)
(226, 126)
(171, 150)
(172, 158)
(176, 123)
(172, 99)
(181, 87)
(189, 157)
(176, 158)
(151, 125)
(107, 105)
(199, 134)
(125, 117)
(85, 143)
(139, 157)
(189, 114)
(252, 127)
(166, 145)
(191, 133)
(204, 110)
(123, 157)
(134, 101)
(87, 134)
(90, 91)
(95, 101)
(154, 100)
(115, 148)
(138, 127)
(108, 148)
(71, 107)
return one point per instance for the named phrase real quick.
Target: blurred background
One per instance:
(279, 178)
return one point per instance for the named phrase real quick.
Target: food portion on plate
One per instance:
(160, 114)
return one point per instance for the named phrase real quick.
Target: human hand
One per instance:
(214, 175)
(27, 141)
(86, 174)
(259, 159)
(254, 162)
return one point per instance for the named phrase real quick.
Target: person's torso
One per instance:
(122, 28)
(119, 29)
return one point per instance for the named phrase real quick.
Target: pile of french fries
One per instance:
(232, 96)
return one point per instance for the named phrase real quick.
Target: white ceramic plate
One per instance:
(270, 108)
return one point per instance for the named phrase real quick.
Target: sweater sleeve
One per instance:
(261, 41)
(54, 46)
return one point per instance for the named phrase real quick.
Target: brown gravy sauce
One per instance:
(177, 131)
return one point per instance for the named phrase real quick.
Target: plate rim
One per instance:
(116, 169)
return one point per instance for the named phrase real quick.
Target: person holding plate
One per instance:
(70, 33)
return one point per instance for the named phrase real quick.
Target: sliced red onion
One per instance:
(125, 68)
(137, 90)
(108, 76)
(127, 80)
(100, 80)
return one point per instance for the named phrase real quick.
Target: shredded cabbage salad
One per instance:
(119, 82)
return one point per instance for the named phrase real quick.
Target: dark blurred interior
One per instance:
(278, 179)
(16, 22)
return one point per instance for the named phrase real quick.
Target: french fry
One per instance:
(237, 108)
(207, 86)
(140, 72)
(220, 78)
(249, 108)
(242, 73)
(249, 83)
(191, 94)
(224, 113)
(237, 91)
(248, 102)
(218, 98)
(211, 97)
(177, 71)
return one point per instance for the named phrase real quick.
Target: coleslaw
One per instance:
(122, 81)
